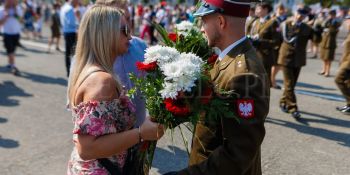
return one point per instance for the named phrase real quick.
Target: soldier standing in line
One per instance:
(228, 146)
(317, 27)
(250, 19)
(343, 77)
(280, 17)
(292, 57)
(329, 42)
(264, 36)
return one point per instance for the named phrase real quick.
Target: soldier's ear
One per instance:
(222, 21)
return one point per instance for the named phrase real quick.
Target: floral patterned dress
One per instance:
(99, 118)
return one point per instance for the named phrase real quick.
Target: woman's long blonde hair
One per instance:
(97, 45)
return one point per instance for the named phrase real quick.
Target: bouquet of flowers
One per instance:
(176, 84)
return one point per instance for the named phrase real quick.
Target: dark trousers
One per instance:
(267, 60)
(343, 81)
(153, 38)
(11, 42)
(70, 41)
(289, 99)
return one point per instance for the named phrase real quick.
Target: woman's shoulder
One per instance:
(100, 86)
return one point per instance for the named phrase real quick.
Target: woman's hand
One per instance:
(150, 130)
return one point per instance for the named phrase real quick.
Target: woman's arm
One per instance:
(91, 147)
(101, 86)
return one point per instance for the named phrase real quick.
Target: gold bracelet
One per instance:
(140, 137)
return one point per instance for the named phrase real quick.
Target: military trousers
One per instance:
(343, 80)
(267, 61)
(289, 99)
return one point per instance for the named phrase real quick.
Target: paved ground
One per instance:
(36, 129)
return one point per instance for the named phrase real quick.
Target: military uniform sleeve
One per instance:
(273, 39)
(241, 140)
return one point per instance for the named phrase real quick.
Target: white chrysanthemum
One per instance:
(180, 75)
(172, 70)
(169, 90)
(184, 27)
(161, 54)
(152, 54)
(185, 83)
(193, 58)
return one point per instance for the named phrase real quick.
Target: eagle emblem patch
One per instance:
(245, 108)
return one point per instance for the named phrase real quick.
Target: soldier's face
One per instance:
(299, 17)
(281, 11)
(210, 29)
(260, 12)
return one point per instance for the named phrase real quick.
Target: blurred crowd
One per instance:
(264, 26)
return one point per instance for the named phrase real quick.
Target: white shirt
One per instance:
(230, 47)
(161, 15)
(12, 26)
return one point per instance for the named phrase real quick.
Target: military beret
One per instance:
(303, 11)
(237, 8)
(332, 12)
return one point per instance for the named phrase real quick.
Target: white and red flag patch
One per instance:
(245, 108)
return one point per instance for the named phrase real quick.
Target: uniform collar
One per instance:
(230, 47)
(264, 19)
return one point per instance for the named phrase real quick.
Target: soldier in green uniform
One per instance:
(265, 36)
(329, 43)
(343, 77)
(229, 146)
(292, 57)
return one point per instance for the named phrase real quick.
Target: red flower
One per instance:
(172, 37)
(176, 107)
(146, 67)
(206, 95)
(212, 59)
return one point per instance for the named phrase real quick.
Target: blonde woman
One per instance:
(103, 116)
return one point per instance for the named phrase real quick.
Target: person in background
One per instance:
(139, 17)
(292, 57)
(47, 13)
(329, 42)
(103, 115)
(317, 27)
(265, 37)
(250, 20)
(342, 79)
(38, 23)
(161, 14)
(132, 14)
(145, 28)
(69, 24)
(29, 18)
(280, 17)
(152, 19)
(55, 27)
(10, 16)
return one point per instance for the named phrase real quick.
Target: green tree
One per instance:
(324, 3)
